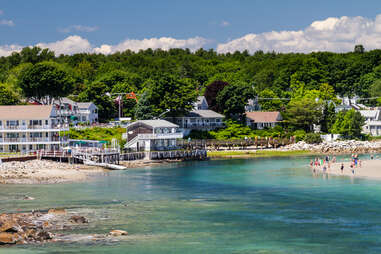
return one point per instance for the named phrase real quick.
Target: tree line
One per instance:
(171, 81)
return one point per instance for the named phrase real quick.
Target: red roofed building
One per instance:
(260, 120)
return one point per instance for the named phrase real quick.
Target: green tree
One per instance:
(349, 124)
(144, 109)
(7, 96)
(96, 92)
(45, 81)
(328, 117)
(359, 49)
(303, 113)
(171, 94)
(269, 105)
(233, 99)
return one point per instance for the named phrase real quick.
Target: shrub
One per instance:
(299, 135)
(313, 138)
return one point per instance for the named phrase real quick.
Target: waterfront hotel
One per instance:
(27, 128)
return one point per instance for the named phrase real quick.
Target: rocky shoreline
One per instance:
(38, 227)
(336, 147)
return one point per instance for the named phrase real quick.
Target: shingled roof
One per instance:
(264, 117)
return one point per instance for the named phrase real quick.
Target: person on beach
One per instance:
(334, 159)
(342, 167)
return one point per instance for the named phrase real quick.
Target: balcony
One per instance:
(175, 135)
(33, 128)
(51, 140)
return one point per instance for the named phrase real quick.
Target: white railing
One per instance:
(35, 127)
(161, 135)
(32, 140)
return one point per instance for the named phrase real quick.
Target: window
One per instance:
(46, 122)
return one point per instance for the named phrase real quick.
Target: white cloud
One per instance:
(7, 50)
(70, 45)
(6, 22)
(332, 34)
(225, 23)
(78, 28)
(164, 43)
(1, 12)
(76, 44)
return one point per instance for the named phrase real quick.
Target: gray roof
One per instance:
(206, 113)
(64, 100)
(84, 104)
(370, 113)
(156, 123)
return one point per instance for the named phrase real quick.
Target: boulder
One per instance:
(57, 211)
(9, 238)
(78, 219)
(118, 233)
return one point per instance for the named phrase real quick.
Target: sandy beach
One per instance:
(43, 171)
(368, 169)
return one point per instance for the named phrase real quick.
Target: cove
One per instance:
(262, 205)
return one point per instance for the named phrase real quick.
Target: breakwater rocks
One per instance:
(347, 146)
(43, 171)
(41, 227)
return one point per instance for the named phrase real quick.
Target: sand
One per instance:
(368, 169)
(41, 171)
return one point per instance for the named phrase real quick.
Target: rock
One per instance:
(118, 233)
(9, 226)
(9, 238)
(78, 219)
(57, 211)
(28, 198)
(44, 235)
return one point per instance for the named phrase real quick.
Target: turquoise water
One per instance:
(225, 206)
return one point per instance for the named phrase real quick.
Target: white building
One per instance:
(200, 118)
(29, 128)
(372, 122)
(152, 135)
(71, 111)
(87, 112)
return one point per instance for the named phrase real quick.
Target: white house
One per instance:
(260, 120)
(87, 112)
(372, 122)
(29, 128)
(71, 111)
(152, 135)
(200, 118)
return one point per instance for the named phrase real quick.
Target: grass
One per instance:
(258, 153)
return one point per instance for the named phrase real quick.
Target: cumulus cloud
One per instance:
(7, 50)
(70, 45)
(6, 22)
(332, 34)
(78, 28)
(225, 23)
(76, 44)
(164, 43)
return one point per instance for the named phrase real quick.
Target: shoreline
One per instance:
(369, 169)
(45, 172)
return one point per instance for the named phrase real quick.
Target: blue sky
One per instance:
(224, 25)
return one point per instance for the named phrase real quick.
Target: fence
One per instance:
(257, 143)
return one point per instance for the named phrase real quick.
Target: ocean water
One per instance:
(269, 205)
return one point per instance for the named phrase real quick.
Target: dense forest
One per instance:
(171, 80)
